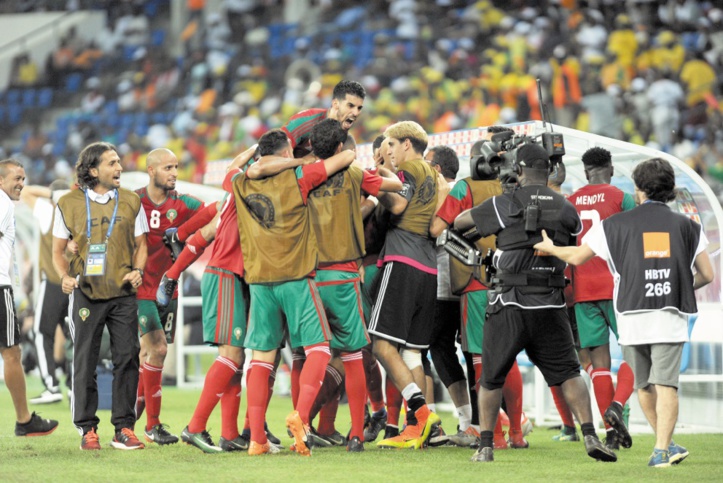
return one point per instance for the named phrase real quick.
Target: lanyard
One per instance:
(112, 220)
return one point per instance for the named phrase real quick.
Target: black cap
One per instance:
(533, 156)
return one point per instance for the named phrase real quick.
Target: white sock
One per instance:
(464, 413)
(410, 391)
(431, 407)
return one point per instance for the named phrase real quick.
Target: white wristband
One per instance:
(373, 200)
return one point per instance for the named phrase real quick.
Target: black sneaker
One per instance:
(164, 294)
(160, 435)
(37, 426)
(170, 239)
(390, 432)
(611, 440)
(597, 450)
(200, 440)
(272, 439)
(377, 422)
(437, 437)
(483, 455)
(239, 443)
(614, 417)
(355, 445)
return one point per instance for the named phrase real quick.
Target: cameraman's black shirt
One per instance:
(500, 212)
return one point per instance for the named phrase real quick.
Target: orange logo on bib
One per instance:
(656, 245)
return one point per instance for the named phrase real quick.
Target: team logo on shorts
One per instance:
(262, 209)
(426, 191)
(237, 333)
(84, 313)
(171, 215)
(143, 320)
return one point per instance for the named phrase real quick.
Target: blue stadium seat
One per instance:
(73, 82)
(45, 97)
(28, 98)
(15, 114)
(158, 37)
(12, 96)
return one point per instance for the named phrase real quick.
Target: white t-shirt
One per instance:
(652, 327)
(7, 240)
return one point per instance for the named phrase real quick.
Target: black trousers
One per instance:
(89, 317)
(50, 312)
(444, 351)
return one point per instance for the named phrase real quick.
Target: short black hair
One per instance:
(447, 159)
(326, 137)
(656, 178)
(377, 143)
(597, 157)
(349, 87)
(272, 142)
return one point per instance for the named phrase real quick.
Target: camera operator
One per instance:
(527, 308)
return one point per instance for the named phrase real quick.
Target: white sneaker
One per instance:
(47, 397)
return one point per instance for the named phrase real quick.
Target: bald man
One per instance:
(165, 208)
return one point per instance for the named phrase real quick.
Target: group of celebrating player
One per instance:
(339, 262)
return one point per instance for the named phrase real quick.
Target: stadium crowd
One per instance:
(644, 72)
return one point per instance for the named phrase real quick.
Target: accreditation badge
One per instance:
(95, 263)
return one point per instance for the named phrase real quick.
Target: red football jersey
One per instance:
(226, 251)
(173, 212)
(594, 203)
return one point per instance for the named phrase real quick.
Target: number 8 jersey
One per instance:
(596, 202)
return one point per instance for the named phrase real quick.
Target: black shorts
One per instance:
(10, 331)
(403, 310)
(544, 333)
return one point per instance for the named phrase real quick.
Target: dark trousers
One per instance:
(50, 312)
(120, 315)
(444, 352)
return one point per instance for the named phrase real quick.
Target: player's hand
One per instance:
(546, 244)
(134, 278)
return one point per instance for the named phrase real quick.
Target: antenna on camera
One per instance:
(543, 107)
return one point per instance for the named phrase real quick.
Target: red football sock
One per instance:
(562, 408)
(257, 386)
(327, 415)
(602, 383)
(512, 392)
(374, 381)
(217, 379)
(356, 391)
(310, 380)
(202, 218)
(230, 404)
(329, 389)
(394, 403)
(626, 382)
(191, 252)
(246, 418)
(152, 376)
(297, 364)
(477, 363)
(140, 394)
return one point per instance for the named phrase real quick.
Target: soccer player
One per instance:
(466, 194)
(165, 208)
(337, 221)
(409, 275)
(275, 230)
(593, 291)
(346, 106)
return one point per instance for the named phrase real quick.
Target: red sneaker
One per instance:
(90, 441)
(126, 439)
